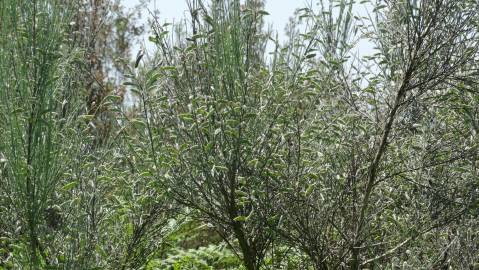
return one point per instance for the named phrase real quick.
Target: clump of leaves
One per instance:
(204, 258)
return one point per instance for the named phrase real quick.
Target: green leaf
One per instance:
(379, 7)
(222, 168)
(168, 68)
(253, 162)
(113, 98)
(70, 185)
(153, 39)
(309, 190)
(209, 20)
(130, 84)
(262, 12)
(87, 117)
(241, 193)
(186, 117)
(240, 219)
(145, 174)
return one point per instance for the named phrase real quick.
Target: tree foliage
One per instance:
(238, 151)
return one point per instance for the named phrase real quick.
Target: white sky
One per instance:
(279, 13)
(173, 10)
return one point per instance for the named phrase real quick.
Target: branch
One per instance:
(387, 253)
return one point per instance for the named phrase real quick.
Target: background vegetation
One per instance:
(225, 149)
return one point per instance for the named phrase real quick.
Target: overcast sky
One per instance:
(173, 10)
(279, 13)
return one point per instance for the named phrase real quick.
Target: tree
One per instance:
(386, 155)
(308, 156)
(34, 92)
(215, 118)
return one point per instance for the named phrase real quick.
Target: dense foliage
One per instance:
(225, 149)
